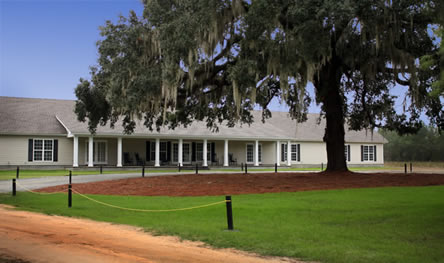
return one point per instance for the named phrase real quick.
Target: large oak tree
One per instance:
(215, 60)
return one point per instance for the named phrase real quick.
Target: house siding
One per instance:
(14, 150)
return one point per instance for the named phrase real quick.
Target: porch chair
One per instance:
(139, 161)
(127, 160)
(231, 159)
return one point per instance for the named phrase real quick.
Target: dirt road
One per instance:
(33, 237)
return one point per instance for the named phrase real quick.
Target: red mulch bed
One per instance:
(230, 184)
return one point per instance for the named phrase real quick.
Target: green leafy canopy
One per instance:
(216, 60)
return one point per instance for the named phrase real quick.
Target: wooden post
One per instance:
(229, 212)
(69, 195)
(14, 192)
(18, 172)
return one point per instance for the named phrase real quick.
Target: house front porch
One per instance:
(170, 152)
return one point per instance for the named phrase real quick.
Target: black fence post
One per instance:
(69, 196)
(242, 167)
(322, 167)
(143, 171)
(229, 212)
(18, 172)
(411, 167)
(405, 168)
(14, 192)
(101, 169)
(197, 169)
(70, 177)
(179, 166)
(275, 167)
(246, 169)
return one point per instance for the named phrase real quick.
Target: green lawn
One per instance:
(9, 174)
(403, 224)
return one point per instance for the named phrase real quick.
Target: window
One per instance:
(347, 152)
(294, 152)
(43, 150)
(153, 151)
(250, 154)
(368, 153)
(100, 152)
(208, 152)
(186, 153)
(283, 152)
(175, 152)
(260, 153)
(199, 152)
(163, 151)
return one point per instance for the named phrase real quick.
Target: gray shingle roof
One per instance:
(39, 116)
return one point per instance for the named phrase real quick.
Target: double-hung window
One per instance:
(294, 152)
(347, 152)
(43, 150)
(250, 153)
(368, 153)
(199, 152)
(283, 152)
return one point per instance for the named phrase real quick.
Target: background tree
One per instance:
(216, 60)
(427, 146)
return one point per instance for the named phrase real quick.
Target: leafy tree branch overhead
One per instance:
(215, 60)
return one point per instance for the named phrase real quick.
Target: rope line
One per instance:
(148, 210)
(39, 193)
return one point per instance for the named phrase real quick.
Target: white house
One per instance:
(39, 132)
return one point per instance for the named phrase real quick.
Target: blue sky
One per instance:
(46, 46)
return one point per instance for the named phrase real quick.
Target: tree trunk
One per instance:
(327, 86)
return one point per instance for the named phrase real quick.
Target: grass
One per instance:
(403, 224)
(400, 165)
(9, 174)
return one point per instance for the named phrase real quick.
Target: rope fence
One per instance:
(148, 210)
(70, 190)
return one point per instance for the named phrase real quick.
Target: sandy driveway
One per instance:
(36, 237)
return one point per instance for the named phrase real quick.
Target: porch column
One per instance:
(90, 152)
(119, 152)
(289, 153)
(205, 161)
(278, 153)
(256, 153)
(180, 153)
(75, 153)
(226, 153)
(157, 160)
